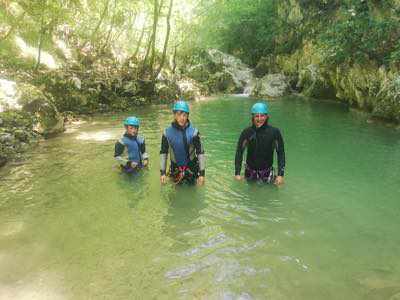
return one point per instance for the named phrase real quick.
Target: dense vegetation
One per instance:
(351, 31)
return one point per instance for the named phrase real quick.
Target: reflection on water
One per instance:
(73, 227)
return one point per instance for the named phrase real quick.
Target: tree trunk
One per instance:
(110, 30)
(164, 54)
(147, 53)
(153, 37)
(139, 42)
(174, 60)
(102, 16)
(40, 44)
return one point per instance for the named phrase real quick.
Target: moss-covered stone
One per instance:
(16, 135)
(48, 121)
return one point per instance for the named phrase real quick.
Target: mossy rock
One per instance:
(222, 82)
(314, 83)
(271, 85)
(47, 119)
(199, 72)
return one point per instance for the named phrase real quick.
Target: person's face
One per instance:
(259, 119)
(132, 130)
(181, 118)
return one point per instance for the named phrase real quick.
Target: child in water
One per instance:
(137, 158)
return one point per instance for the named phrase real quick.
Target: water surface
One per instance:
(73, 227)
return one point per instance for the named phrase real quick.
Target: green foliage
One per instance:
(246, 29)
(358, 37)
(346, 32)
(16, 119)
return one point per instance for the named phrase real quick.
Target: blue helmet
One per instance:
(181, 106)
(260, 108)
(132, 121)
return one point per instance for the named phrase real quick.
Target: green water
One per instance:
(73, 227)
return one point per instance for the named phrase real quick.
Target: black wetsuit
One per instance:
(261, 143)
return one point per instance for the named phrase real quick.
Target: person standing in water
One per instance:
(182, 142)
(261, 140)
(137, 158)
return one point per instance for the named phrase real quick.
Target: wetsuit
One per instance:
(136, 150)
(186, 153)
(261, 143)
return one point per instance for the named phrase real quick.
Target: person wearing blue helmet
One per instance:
(261, 140)
(182, 142)
(136, 157)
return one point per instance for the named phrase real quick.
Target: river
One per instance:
(73, 227)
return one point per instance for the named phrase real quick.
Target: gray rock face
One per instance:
(190, 89)
(271, 85)
(240, 73)
(8, 95)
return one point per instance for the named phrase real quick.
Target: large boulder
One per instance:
(48, 120)
(271, 85)
(232, 68)
(28, 98)
(8, 95)
(222, 82)
(190, 89)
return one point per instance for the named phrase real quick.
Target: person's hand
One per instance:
(279, 180)
(163, 179)
(200, 180)
(145, 163)
(238, 177)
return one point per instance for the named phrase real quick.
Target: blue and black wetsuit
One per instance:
(186, 153)
(260, 143)
(136, 152)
